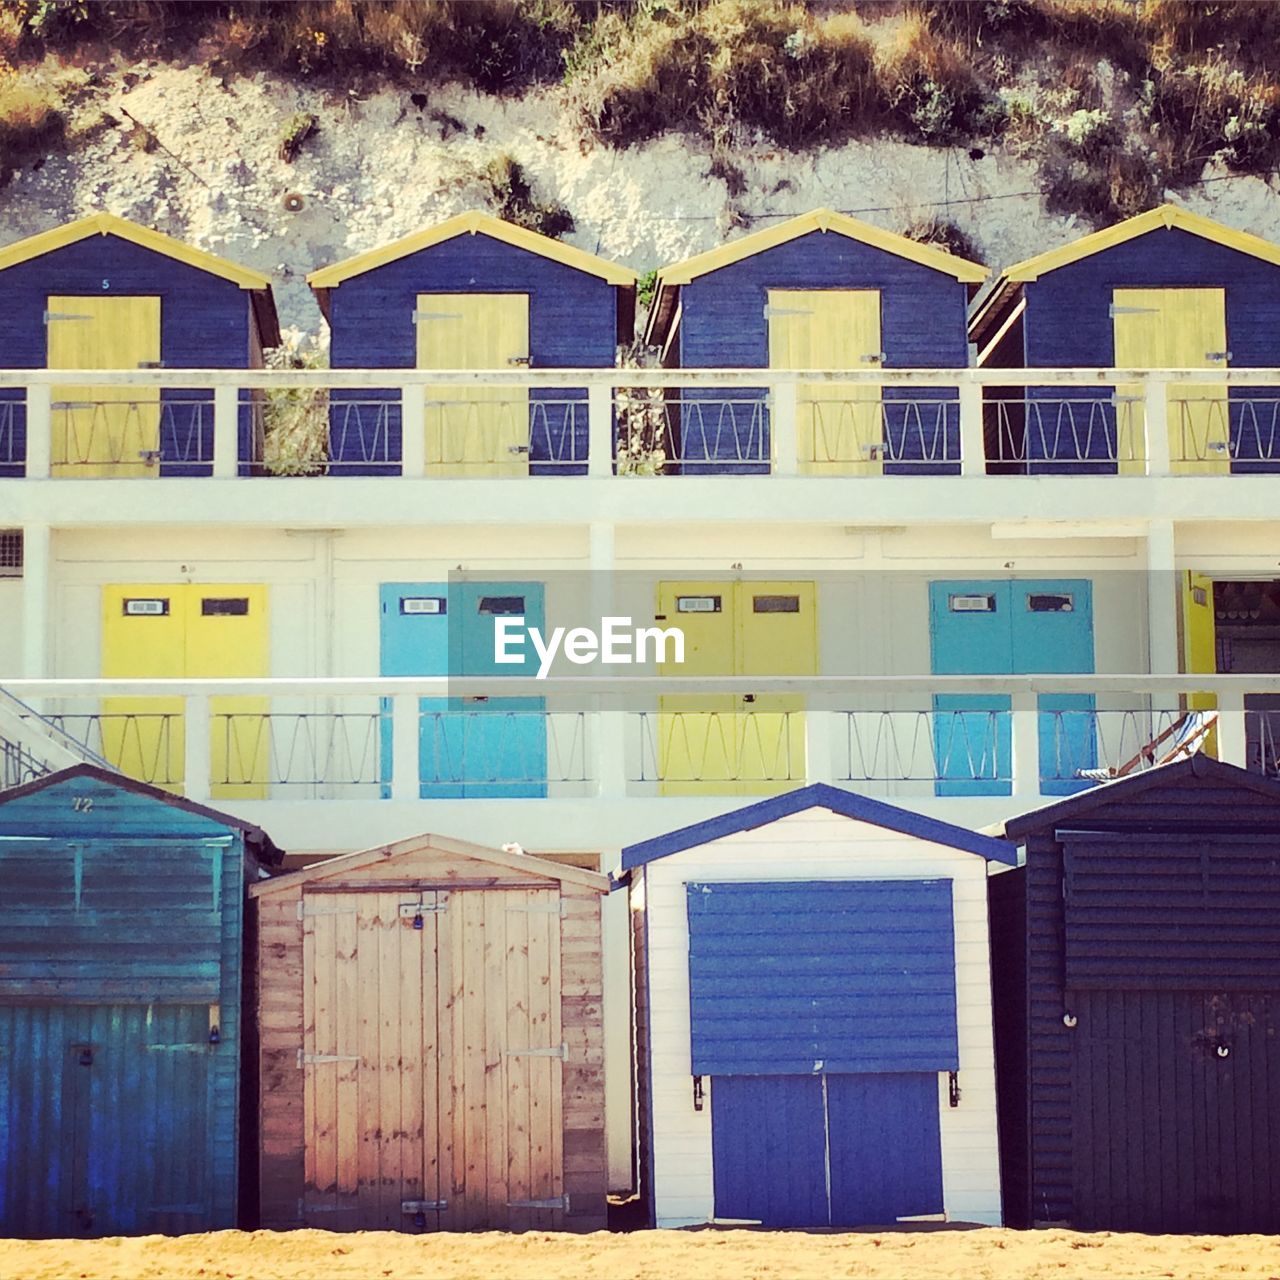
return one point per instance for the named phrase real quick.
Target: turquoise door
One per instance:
(466, 746)
(1003, 627)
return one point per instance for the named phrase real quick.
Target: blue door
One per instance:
(469, 746)
(1003, 627)
(826, 1150)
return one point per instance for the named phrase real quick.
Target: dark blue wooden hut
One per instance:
(106, 293)
(480, 293)
(121, 1022)
(821, 291)
(1136, 979)
(1167, 289)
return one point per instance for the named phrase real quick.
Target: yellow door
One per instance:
(175, 631)
(143, 638)
(839, 428)
(104, 431)
(776, 637)
(735, 744)
(475, 431)
(227, 637)
(1175, 329)
(1200, 643)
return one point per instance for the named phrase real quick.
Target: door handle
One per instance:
(748, 697)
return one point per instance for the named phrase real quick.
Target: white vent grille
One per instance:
(10, 553)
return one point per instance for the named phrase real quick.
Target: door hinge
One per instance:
(560, 1051)
(1114, 311)
(873, 357)
(151, 364)
(190, 1047)
(543, 909)
(521, 360)
(551, 1202)
(422, 1206)
(411, 909)
(311, 1059)
(1217, 355)
(50, 316)
(420, 316)
(305, 912)
(770, 312)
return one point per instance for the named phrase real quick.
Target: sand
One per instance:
(646, 1255)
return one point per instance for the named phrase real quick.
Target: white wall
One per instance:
(11, 626)
(817, 844)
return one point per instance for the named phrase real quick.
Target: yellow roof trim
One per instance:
(1167, 216)
(108, 224)
(471, 224)
(822, 220)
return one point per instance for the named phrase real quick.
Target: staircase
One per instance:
(32, 745)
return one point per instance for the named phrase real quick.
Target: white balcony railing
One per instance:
(602, 422)
(394, 738)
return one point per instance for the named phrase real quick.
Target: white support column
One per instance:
(784, 433)
(599, 429)
(39, 432)
(226, 432)
(413, 431)
(1156, 417)
(1026, 745)
(1231, 728)
(611, 751)
(197, 758)
(973, 445)
(37, 564)
(819, 762)
(405, 737)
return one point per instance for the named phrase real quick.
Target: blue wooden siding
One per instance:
(1162, 1038)
(922, 324)
(836, 976)
(121, 927)
(494, 748)
(573, 320)
(826, 1150)
(206, 322)
(1068, 320)
(973, 739)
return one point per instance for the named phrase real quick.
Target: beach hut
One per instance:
(432, 1042)
(1136, 963)
(813, 1016)
(1168, 289)
(821, 291)
(121, 1022)
(106, 293)
(473, 292)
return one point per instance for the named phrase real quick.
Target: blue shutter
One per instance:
(795, 977)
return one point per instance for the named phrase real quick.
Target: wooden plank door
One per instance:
(370, 1049)
(104, 431)
(501, 1061)
(839, 428)
(1176, 329)
(475, 431)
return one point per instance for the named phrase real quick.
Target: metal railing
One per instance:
(698, 747)
(925, 746)
(607, 422)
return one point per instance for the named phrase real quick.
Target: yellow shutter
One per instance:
(839, 428)
(104, 431)
(1174, 329)
(1200, 643)
(475, 431)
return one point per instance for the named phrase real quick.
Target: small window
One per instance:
(1046, 602)
(501, 605)
(136, 608)
(423, 604)
(697, 604)
(775, 604)
(224, 607)
(971, 604)
(10, 553)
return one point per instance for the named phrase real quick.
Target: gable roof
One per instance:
(473, 223)
(528, 864)
(1109, 793)
(819, 795)
(679, 273)
(261, 844)
(109, 224)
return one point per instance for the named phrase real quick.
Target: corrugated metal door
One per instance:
(1003, 627)
(839, 427)
(735, 744)
(105, 431)
(106, 1120)
(432, 1047)
(1176, 329)
(475, 431)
